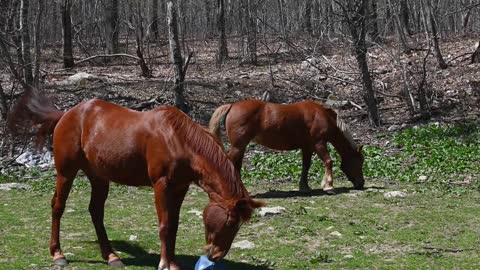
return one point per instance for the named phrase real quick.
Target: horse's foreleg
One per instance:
(306, 162)
(168, 203)
(322, 152)
(96, 208)
(236, 156)
(64, 184)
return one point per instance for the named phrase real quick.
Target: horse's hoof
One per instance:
(330, 191)
(116, 263)
(61, 262)
(305, 189)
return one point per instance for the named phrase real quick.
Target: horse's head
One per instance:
(352, 166)
(222, 224)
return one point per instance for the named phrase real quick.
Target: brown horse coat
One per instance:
(305, 125)
(162, 148)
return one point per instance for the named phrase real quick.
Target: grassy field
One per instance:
(436, 226)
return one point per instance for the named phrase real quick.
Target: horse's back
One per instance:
(278, 126)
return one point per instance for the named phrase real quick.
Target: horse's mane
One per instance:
(205, 145)
(345, 130)
(341, 125)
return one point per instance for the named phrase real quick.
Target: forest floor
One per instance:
(432, 167)
(325, 73)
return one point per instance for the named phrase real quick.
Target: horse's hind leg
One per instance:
(306, 162)
(64, 184)
(322, 152)
(96, 208)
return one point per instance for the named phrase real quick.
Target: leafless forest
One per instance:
(382, 63)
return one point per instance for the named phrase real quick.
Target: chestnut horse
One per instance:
(162, 148)
(305, 125)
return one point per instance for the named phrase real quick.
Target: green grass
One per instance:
(443, 154)
(434, 227)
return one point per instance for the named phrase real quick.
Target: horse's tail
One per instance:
(217, 117)
(34, 110)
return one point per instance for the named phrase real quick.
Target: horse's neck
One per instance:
(342, 145)
(216, 185)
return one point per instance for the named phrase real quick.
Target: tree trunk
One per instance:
(111, 26)
(25, 42)
(396, 20)
(307, 20)
(3, 103)
(373, 17)
(154, 20)
(434, 37)
(222, 52)
(139, 36)
(250, 17)
(176, 55)
(67, 35)
(358, 29)
(208, 20)
(405, 16)
(37, 35)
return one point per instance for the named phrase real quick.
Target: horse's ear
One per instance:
(256, 204)
(243, 209)
(359, 149)
(246, 206)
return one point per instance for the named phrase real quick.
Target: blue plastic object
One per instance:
(204, 263)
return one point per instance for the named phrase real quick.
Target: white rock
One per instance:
(348, 256)
(277, 210)
(9, 186)
(393, 127)
(422, 177)
(244, 244)
(394, 194)
(196, 212)
(335, 233)
(329, 228)
(133, 238)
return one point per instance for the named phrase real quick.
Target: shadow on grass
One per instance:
(140, 257)
(274, 194)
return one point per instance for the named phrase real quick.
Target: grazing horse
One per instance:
(305, 125)
(162, 148)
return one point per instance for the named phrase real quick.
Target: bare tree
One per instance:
(430, 14)
(307, 20)
(136, 11)
(154, 19)
(399, 26)
(67, 34)
(354, 14)
(222, 52)
(111, 26)
(176, 55)
(249, 12)
(26, 55)
(37, 41)
(372, 20)
(405, 16)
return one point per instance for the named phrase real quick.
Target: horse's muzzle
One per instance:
(213, 254)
